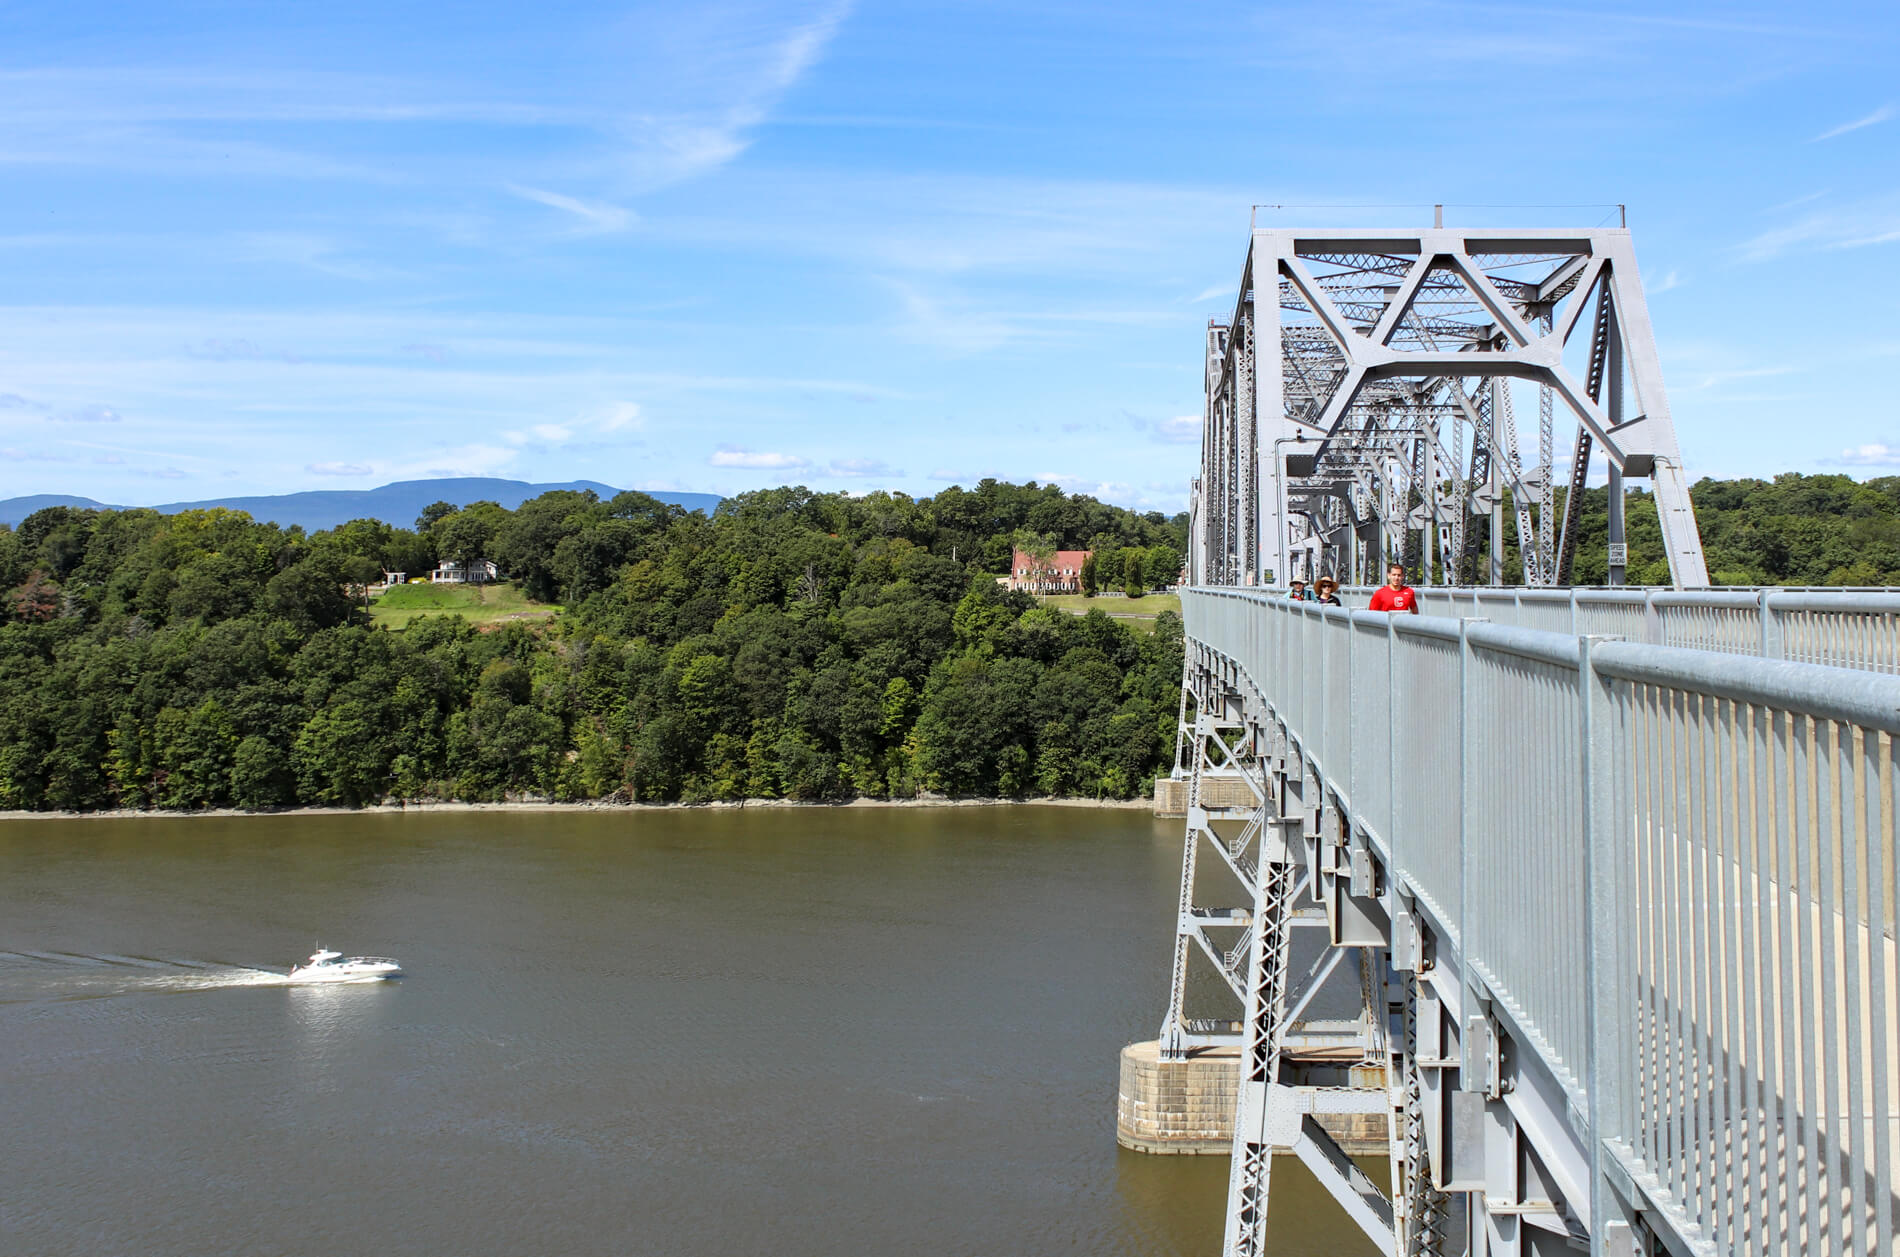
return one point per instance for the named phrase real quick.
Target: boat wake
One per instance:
(31, 976)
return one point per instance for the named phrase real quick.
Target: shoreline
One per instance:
(419, 808)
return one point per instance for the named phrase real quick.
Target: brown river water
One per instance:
(786, 1031)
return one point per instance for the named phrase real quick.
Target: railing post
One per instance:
(1469, 731)
(1607, 996)
(1771, 643)
(1392, 689)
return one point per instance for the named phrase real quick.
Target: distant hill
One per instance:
(397, 503)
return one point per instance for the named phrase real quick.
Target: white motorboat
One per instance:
(333, 966)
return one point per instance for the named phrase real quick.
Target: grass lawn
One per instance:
(486, 604)
(1140, 612)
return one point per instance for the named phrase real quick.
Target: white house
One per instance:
(454, 573)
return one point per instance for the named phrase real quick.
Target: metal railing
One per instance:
(1673, 871)
(1841, 628)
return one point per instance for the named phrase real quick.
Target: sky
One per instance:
(715, 247)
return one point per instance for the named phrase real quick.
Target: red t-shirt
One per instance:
(1386, 598)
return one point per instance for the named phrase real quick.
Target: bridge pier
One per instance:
(1186, 1107)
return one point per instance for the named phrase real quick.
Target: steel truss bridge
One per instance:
(1363, 400)
(1617, 868)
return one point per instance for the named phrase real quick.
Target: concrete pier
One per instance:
(1177, 1106)
(1187, 1107)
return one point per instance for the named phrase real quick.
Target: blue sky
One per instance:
(257, 248)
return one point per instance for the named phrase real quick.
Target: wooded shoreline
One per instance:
(431, 807)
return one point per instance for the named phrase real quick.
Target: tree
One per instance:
(1039, 551)
(433, 514)
(466, 536)
(794, 643)
(1134, 572)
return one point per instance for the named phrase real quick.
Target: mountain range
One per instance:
(397, 503)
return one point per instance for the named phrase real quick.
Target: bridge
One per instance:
(1616, 866)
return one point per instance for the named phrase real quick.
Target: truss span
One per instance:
(1363, 403)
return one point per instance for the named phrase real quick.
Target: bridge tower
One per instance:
(1371, 399)
(1363, 404)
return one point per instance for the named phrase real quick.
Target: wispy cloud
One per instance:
(238, 349)
(1671, 278)
(310, 251)
(755, 460)
(1879, 115)
(1868, 222)
(1803, 199)
(338, 469)
(1180, 430)
(88, 414)
(596, 217)
(1710, 379)
(854, 468)
(706, 78)
(621, 416)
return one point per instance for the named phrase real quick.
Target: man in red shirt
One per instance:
(1395, 594)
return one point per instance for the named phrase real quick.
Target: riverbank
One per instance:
(420, 807)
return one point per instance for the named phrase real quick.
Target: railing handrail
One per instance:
(1673, 813)
(1844, 628)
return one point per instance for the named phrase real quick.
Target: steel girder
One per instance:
(1395, 354)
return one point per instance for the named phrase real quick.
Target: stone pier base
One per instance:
(1187, 1107)
(1177, 1106)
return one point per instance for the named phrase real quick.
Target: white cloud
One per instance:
(756, 460)
(1180, 430)
(597, 217)
(855, 467)
(338, 469)
(1877, 116)
(1670, 279)
(449, 460)
(699, 81)
(1209, 294)
(551, 432)
(1873, 454)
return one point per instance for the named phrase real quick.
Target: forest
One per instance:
(1792, 530)
(790, 645)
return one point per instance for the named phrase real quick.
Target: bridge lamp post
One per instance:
(1280, 572)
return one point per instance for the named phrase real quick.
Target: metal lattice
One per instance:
(1383, 433)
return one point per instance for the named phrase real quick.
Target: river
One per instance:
(794, 1031)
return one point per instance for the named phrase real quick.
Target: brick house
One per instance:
(1060, 573)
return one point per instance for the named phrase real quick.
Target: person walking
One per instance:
(1395, 594)
(1326, 592)
(1296, 591)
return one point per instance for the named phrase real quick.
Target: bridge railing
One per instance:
(1852, 628)
(1672, 872)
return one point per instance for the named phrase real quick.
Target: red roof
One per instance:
(1061, 563)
